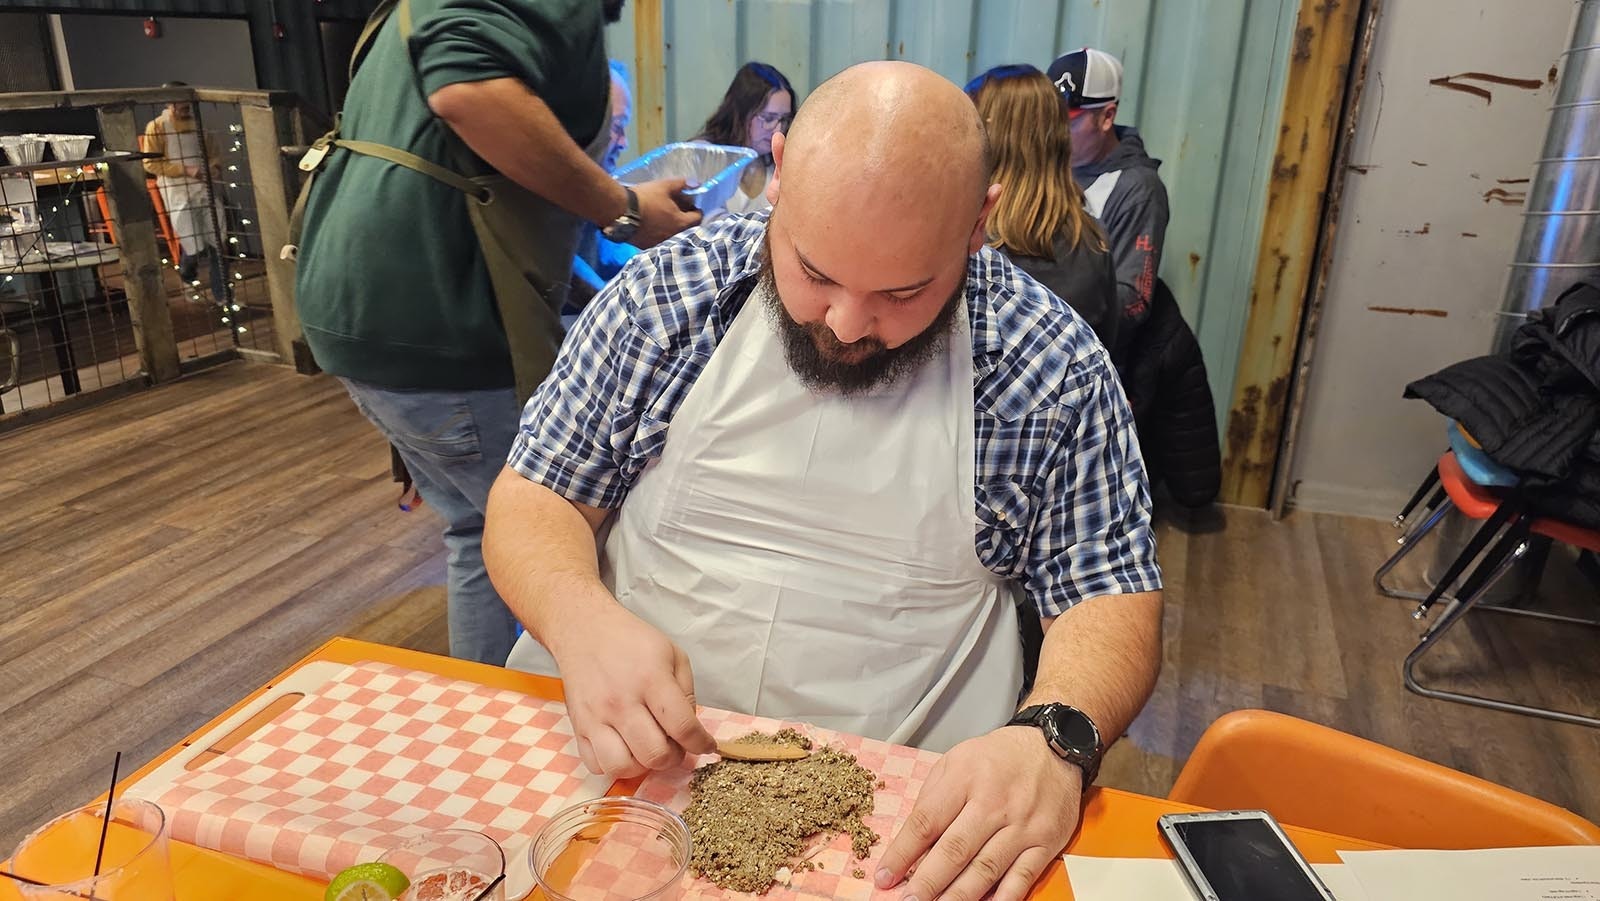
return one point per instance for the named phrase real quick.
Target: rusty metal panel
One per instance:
(1430, 217)
(1203, 81)
(1324, 36)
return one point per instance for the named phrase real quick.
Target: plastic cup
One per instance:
(620, 849)
(61, 854)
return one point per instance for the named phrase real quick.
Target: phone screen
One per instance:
(1244, 860)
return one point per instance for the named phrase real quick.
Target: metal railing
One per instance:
(149, 254)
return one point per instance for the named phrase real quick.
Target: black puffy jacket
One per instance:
(1164, 376)
(1536, 409)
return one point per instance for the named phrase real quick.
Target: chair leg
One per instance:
(1431, 481)
(1503, 515)
(1589, 565)
(1505, 554)
(1408, 543)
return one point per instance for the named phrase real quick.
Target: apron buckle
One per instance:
(315, 155)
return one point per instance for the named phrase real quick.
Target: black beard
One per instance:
(803, 345)
(611, 10)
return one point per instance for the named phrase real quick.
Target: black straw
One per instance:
(491, 887)
(105, 824)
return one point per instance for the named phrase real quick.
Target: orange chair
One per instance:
(1320, 778)
(163, 223)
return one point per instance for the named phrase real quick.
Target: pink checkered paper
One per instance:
(902, 770)
(378, 755)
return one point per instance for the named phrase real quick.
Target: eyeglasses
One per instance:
(773, 120)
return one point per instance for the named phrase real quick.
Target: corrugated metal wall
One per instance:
(1203, 81)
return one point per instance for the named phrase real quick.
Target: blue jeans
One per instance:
(455, 443)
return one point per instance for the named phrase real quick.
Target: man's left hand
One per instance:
(992, 816)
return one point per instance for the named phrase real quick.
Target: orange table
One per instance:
(1115, 823)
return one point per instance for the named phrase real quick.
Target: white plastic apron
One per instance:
(185, 198)
(1096, 195)
(813, 555)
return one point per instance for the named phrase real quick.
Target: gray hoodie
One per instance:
(1134, 215)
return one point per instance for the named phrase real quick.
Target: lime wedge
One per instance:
(367, 882)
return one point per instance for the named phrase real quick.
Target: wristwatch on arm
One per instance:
(1070, 734)
(626, 225)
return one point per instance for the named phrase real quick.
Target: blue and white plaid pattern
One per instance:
(1063, 506)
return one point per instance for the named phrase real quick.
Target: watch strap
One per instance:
(1089, 763)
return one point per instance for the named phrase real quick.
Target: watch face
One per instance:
(1072, 730)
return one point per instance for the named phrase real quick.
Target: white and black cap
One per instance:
(1087, 78)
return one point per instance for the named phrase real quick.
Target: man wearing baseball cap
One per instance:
(1119, 180)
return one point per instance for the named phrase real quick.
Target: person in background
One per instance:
(599, 258)
(184, 166)
(1119, 180)
(812, 466)
(1040, 222)
(434, 303)
(759, 104)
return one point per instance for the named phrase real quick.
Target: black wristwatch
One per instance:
(1070, 734)
(627, 224)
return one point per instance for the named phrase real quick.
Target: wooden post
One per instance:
(266, 129)
(1319, 70)
(650, 71)
(134, 222)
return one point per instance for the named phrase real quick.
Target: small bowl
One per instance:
(615, 848)
(69, 147)
(23, 150)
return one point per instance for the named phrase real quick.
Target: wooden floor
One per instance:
(165, 554)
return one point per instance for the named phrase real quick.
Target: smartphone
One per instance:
(1240, 855)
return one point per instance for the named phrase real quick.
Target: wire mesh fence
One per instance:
(66, 324)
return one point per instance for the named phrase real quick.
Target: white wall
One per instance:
(112, 52)
(1417, 233)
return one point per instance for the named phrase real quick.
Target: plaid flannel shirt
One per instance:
(1063, 506)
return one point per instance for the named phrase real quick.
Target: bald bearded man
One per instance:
(826, 457)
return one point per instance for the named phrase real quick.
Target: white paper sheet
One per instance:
(1505, 874)
(1121, 878)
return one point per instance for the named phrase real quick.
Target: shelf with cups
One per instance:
(119, 156)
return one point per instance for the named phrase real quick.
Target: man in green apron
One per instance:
(438, 237)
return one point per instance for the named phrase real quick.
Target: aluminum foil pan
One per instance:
(69, 147)
(23, 150)
(712, 170)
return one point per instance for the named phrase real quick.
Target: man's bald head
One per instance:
(892, 125)
(880, 195)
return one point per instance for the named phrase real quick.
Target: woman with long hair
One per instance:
(759, 104)
(1040, 221)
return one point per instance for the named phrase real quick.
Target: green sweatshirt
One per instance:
(391, 286)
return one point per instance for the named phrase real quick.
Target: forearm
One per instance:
(1102, 657)
(514, 131)
(541, 554)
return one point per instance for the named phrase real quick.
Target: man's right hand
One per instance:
(630, 694)
(664, 209)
